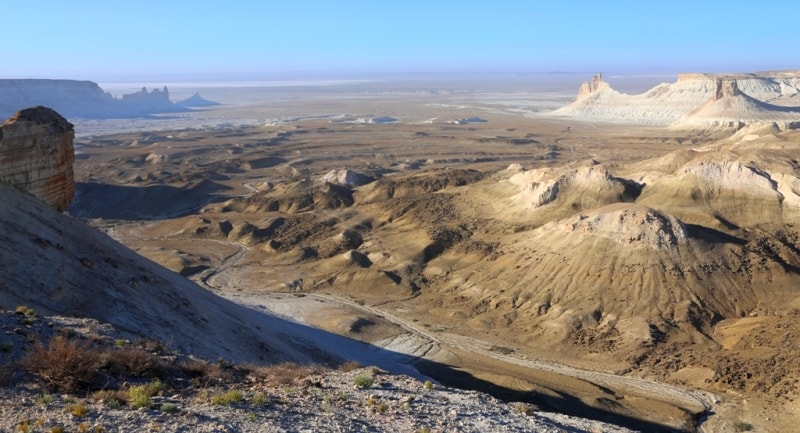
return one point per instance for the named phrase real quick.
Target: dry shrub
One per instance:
(111, 397)
(64, 364)
(6, 375)
(349, 366)
(288, 373)
(201, 369)
(130, 361)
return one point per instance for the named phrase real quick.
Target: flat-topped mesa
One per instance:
(589, 87)
(36, 155)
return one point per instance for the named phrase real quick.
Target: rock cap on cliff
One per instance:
(36, 155)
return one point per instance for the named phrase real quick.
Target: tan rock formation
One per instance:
(589, 87)
(36, 155)
(726, 89)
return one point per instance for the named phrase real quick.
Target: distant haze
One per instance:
(253, 40)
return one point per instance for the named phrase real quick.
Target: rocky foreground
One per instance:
(141, 386)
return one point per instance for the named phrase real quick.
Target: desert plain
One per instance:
(641, 273)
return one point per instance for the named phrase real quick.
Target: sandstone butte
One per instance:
(36, 155)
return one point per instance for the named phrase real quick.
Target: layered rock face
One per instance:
(726, 89)
(36, 155)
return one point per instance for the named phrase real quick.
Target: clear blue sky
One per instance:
(111, 39)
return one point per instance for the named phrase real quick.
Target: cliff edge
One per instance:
(36, 155)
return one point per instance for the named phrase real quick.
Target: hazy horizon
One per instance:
(182, 41)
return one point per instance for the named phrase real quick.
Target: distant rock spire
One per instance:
(589, 87)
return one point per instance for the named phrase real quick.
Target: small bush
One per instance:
(349, 366)
(129, 361)
(56, 429)
(363, 381)
(6, 374)
(260, 399)
(502, 350)
(427, 385)
(381, 407)
(112, 398)
(6, 347)
(23, 310)
(64, 364)
(287, 373)
(45, 399)
(140, 395)
(78, 410)
(523, 408)
(227, 398)
(168, 407)
(742, 427)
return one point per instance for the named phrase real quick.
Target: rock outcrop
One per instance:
(589, 87)
(196, 101)
(82, 99)
(36, 155)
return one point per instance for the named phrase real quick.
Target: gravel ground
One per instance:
(328, 402)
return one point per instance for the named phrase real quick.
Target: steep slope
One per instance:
(729, 105)
(57, 265)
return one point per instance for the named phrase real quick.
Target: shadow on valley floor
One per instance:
(564, 403)
(449, 375)
(118, 202)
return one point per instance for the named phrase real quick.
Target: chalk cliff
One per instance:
(695, 100)
(36, 155)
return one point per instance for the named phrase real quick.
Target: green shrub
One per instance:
(227, 398)
(260, 399)
(363, 381)
(168, 407)
(742, 426)
(45, 399)
(140, 395)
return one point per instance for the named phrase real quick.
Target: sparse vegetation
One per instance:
(742, 427)
(523, 408)
(140, 395)
(129, 361)
(227, 398)
(168, 407)
(259, 399)
(64, 364)
(502, 350)
(78, 410)
(44, 399)
(111, 398)
(349, 366)
(363, 381)
(428, 385)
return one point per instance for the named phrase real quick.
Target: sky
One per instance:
(108, 40)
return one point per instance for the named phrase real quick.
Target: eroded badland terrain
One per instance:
(647, 271)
